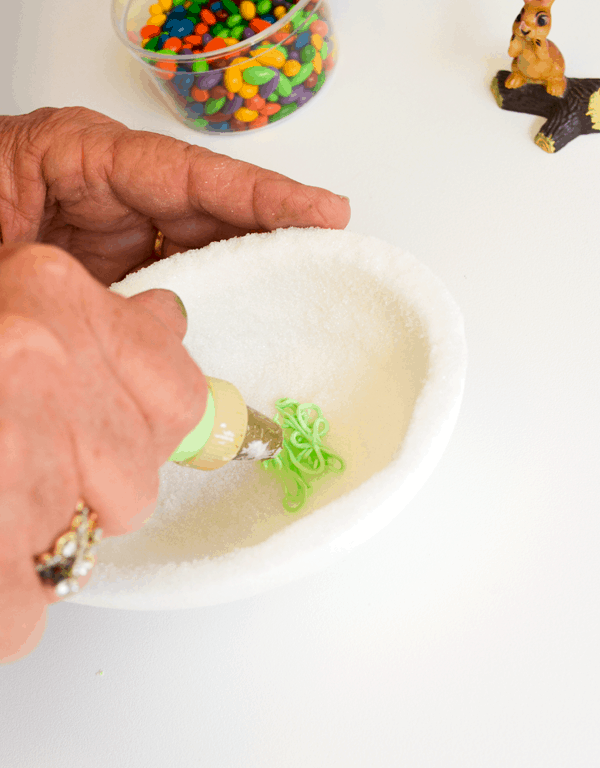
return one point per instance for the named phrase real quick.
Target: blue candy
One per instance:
(302, 40)
(196, 109)
(181, 28)
(183, 82)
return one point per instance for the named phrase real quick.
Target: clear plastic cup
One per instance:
(248, 84)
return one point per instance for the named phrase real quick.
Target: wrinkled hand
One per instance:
(79, 180)
(96, 391)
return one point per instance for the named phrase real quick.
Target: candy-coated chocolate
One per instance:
(259, 122)
(258, 75)
(247, 91)
(246, 115)
(240, 90)
(291, 68)
(233, 79)
(256, 103)
(247, 9)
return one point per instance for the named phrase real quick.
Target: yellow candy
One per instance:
(231, 40)
(317, 41)
(271, 57)
(166, 4)
(157, 20)
(248, 10)
(247, 91)
(156, 9)
(244, 63)
(280, 11)
(246, 115)
(318, 63)
(233, 79)
(291, 68)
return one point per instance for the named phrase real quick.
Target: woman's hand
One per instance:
(96, 391)
(77, 179)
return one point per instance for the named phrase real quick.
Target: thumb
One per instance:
(166, 306)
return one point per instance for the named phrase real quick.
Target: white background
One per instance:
(466, 633)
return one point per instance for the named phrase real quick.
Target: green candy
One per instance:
(285, 87)
(231, 6)
(273, 97)
(178, 2)
(283, 112)
(218, 30)
(263, 6)
(151, 44)
(214, 105)
(233, 20)
(258, 75)
(324, 50)
(193, 10)
(308, 53)
(200, 123)
(320, 81)
(200, 66)
(305, 71)
(237, 32)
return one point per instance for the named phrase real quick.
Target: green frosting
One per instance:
(304, 458)
(198, 437)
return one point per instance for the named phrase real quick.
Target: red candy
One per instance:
(219, 92)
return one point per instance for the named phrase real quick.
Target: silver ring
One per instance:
(72, 555)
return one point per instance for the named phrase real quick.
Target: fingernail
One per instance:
(180, 305)
(343, 197)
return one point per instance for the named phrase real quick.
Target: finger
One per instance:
(169, 180)
(166, 306)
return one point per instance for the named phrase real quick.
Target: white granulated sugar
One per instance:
(347, 322)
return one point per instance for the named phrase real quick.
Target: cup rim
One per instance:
(138, 51)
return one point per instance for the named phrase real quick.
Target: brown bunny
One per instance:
(535, 59)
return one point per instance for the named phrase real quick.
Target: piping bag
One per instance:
(229, 430)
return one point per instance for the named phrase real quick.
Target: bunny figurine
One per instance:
(535, 59)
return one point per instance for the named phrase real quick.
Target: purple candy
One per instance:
(207, 80)
(233, 105)
(266, 89)
(206, 38)
(294, 55)
(247, 33)
(299, 94)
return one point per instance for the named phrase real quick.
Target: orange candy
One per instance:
(208, 17)
(256, 103)
(259, 122)
(319, 28)
(201, 28)
(270, 109)
(215, 44)
(198, 94)
(172, 44)
(193, 39)
(150, 30)
(258, 25)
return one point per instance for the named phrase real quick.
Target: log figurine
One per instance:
(537, 84)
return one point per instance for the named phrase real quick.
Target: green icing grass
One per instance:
(303, 458)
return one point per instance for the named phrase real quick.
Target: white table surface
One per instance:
(466, 633)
